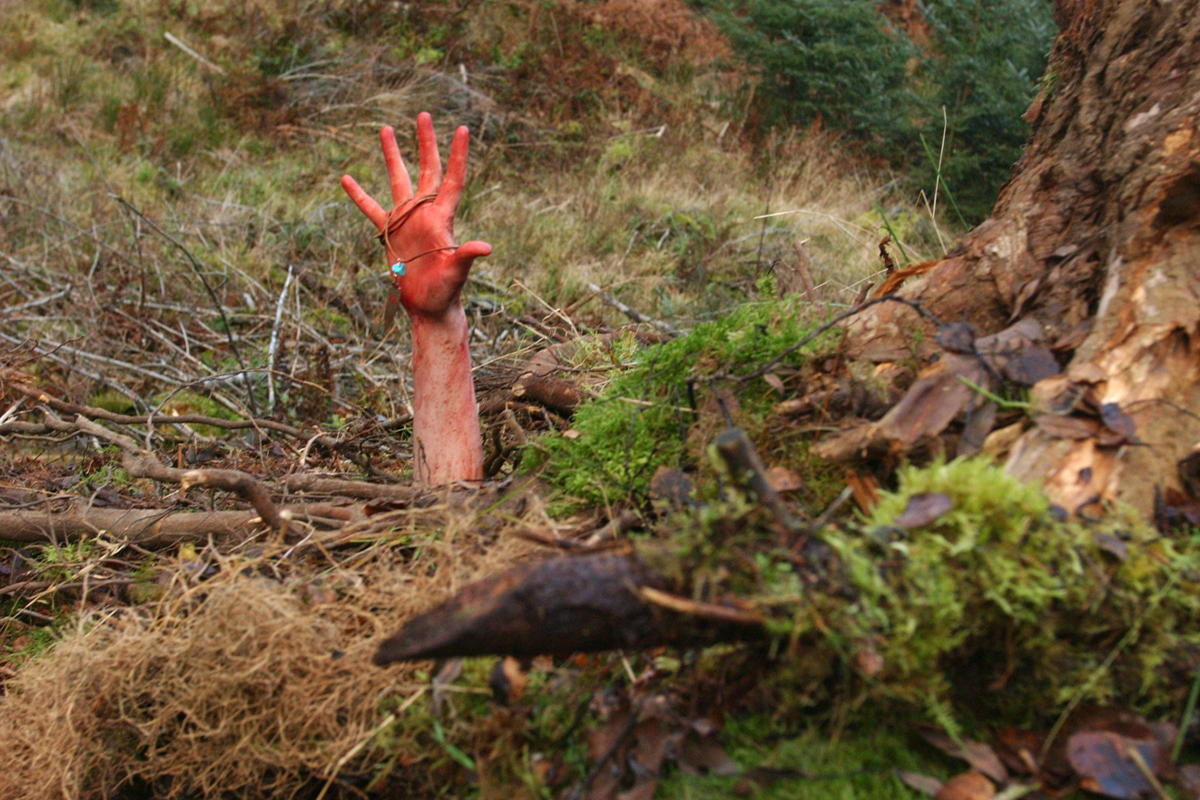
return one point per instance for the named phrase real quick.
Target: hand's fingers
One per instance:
(465, 255)
(430, 176)
(364, 202)
(456, 172)
(397, 174)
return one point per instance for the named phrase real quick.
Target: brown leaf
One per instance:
(967, 786)
(1111, 544)
(1067, 427)
(980, 756)
(646, 758)
(922, 509)
(979, 424)
(868, 660)
(699, 755)
(934, 400)
(865, 490)
(517, 681)
(1101, 758)
(1119, 426)
(672, 486)
(1034, 364)
(925, 784)
(782, 479)
(774, 382)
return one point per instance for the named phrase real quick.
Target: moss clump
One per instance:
(999, 607)
(643, 417)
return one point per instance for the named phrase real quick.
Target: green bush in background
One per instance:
(846, 64)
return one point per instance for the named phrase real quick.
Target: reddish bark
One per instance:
(1096, 236)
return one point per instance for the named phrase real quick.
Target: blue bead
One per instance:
(398, 268)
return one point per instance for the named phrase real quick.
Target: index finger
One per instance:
(365, 203)
(456, 171)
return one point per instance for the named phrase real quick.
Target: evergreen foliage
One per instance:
(845, 64)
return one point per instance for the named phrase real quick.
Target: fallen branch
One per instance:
(152, 527)
(173, 419)
(636, 316)
(557, 607)
(144, 465)
(745, 467)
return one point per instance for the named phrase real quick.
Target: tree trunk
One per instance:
(1096, 235)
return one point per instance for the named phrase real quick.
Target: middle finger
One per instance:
(430, 176)
(397, 174)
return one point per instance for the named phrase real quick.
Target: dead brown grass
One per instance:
(244, 683)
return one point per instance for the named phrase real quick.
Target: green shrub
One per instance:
(845, 64)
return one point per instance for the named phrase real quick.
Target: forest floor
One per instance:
(207, 522)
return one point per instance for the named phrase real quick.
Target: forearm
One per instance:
(446, 441)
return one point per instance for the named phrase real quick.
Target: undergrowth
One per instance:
(661, 411)
(994, 611)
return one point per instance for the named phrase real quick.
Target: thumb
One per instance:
(463, 257)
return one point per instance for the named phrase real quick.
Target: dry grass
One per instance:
(246, 682)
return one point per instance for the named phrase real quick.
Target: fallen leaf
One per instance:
(1101, 758)
(1067, 427)
(1111, 544)
(1118, 421)
(865, 490)
(967, 786)
(700, 755)
(646, 758)
(922, 509)
(774, 382)
(571, 433)
(981, 757)
(1034, 364)
(672, 486)
(782, 479)
(868, 660)
(925, 784)
(758, 778)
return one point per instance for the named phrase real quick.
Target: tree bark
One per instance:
(1096, 235)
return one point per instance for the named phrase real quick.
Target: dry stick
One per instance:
(145, 465)
(121, 388)
(1136, 757)
(182, 419)
(137, 526)
(697, 608)
(887, 298)
(35, 303)
(636, 316)
(590, 777)
(198, 269)
(275, 342)
(150, 527)
(745, 467)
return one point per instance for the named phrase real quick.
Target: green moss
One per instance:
(860, 765)
(643, 419)
(997, 607)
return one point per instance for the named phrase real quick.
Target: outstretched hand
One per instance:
(420, 228)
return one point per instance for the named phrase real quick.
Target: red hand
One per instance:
(446, 441)
(434, 269)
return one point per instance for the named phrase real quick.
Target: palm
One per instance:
(421, 227)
